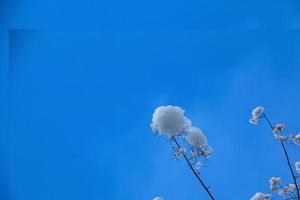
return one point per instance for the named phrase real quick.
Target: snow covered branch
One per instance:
(290, 191)
(190, 143)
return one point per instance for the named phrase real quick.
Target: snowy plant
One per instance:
(170, 121)
(261, 196)
(285, 192)
(296, 138)
(277, 132)
(198, 143)
(178, 152)
(198, 165)
(189, 142)
(297, 166)
(158, 198)
(275, 183)
(290, 191)
(256, 115)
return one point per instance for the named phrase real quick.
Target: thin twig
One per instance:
(287, 158)
(195, 173)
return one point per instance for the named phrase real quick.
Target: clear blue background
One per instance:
(80, 80)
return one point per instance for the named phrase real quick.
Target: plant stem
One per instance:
(287, 158)
(195, 173)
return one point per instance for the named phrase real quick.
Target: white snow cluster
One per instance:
(278, 128)
(198, 165)
(261, 196)
(195, 137)
(275, 183)
(296, 139)
(158, 198)
(277, 132)
(297, 166)
(198, 142)
(287, 190)
(284, 191)
(169, 121)
(256, 115)
(177, 153)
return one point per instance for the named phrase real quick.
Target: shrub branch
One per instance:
(195, 173)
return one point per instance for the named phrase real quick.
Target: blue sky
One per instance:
(80, 81)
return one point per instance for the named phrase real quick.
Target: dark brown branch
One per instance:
(195, 173)
(287, 158)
